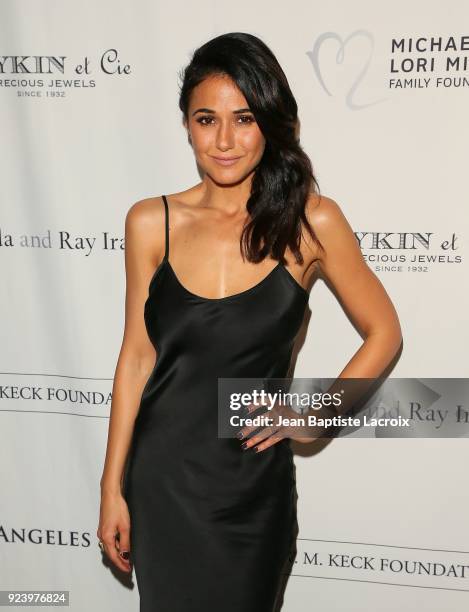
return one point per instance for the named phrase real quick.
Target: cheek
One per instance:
(253, 141)
(201, 139)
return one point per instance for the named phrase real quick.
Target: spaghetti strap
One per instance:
(166, 252)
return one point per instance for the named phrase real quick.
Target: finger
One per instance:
(248, 429)
(266, 432)
(112, 552)
(253, 407)
(262, 442)
(268, 443)
(123, 545)
(118, 561)
(270, 414)
(245, 431)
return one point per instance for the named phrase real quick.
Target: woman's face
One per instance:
(221, 127)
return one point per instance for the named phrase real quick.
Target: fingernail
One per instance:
(124, 554)
(239, 435)
(244, 445)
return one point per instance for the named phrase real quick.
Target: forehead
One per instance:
(217, 92)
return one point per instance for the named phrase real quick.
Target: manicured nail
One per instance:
(244, 445)
(239, 435)
(124, 554)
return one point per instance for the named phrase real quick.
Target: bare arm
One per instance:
(144, 234)
(359, 290)
(365, 301)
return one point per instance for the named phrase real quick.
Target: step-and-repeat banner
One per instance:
(90, 124)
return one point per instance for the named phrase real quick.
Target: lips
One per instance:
(226, 161)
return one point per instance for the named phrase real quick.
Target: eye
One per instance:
(244, 119)
(247, 118)
(201, 120)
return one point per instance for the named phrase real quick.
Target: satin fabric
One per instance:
(212, 525)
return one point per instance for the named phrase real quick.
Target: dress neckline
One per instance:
(279, 267)
(240, 294)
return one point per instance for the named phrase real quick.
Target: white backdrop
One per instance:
(387, 133)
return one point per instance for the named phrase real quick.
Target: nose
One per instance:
(225, 136)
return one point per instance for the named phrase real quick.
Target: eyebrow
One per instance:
(209, 110)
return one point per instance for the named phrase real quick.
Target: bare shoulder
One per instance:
(329, 223)
(146, 214)
(147, 217)
(145, 228)
(323, 212)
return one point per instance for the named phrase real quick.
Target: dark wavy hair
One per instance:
(283, 179)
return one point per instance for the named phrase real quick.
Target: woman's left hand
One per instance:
(283, 422)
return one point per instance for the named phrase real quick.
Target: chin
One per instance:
(224, 181)
(229, 174)
(228, 178)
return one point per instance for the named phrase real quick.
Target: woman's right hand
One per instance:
(114, 520)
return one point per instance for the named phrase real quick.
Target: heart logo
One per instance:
(314, 57)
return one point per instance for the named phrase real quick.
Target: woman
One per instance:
(210, 521)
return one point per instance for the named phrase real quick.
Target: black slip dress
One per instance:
(212, 525)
